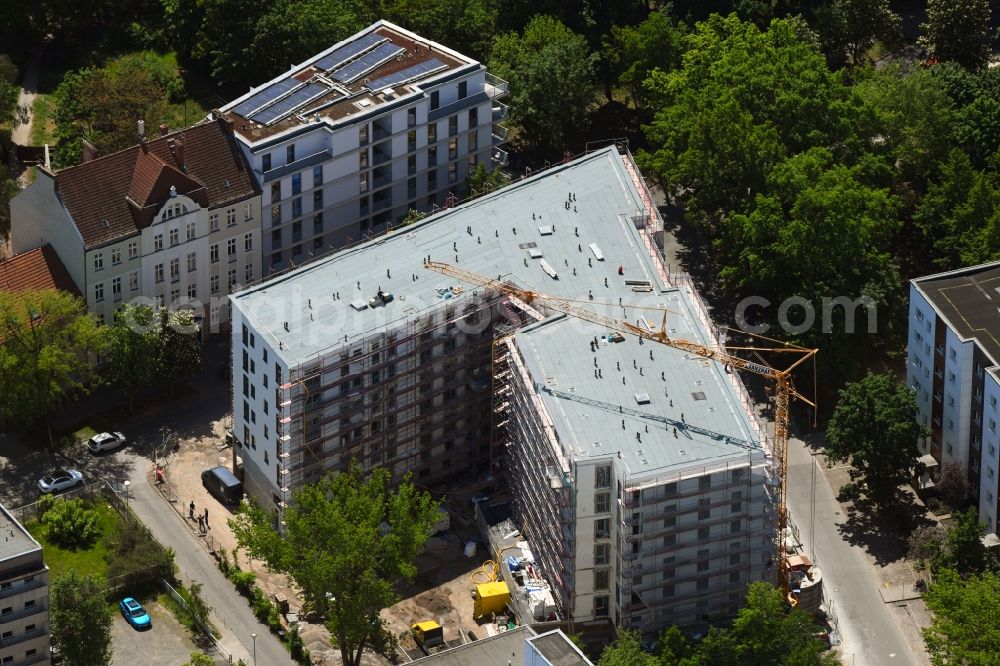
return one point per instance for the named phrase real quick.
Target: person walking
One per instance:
(206, 517)
(201, 525)
(191, 510)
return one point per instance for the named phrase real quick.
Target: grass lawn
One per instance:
(43, 126)
(61, 560)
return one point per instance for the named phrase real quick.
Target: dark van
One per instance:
(223, 485)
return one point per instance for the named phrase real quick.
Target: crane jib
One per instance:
(759, 369)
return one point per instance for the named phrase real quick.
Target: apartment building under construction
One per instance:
(639, 473)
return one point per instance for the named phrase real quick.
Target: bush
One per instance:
(847, 491)
(135, 555)
(296, 648)
(45, 502)
(245, 582)
(200, 659)
(70, 525)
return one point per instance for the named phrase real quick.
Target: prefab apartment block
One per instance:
(347, 142)
(639, 474)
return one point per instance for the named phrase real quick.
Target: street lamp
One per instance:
(127, 484)
(254, 637)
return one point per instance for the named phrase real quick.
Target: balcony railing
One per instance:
(500, 134)
(495, 86)
(381, 157)
(499, 157)
(379, 133)
(500, 111)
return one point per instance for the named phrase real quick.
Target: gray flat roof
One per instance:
(969, 300)
(493, 651)
(558, 650)
(14, 539)
(692, 418)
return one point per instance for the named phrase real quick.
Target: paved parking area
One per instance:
(168, 643)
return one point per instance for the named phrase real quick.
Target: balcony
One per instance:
(500, 134)
(379, 133)
(380, 179)
(495, 86)
(499, 157)
(500, 111)
(381, 157)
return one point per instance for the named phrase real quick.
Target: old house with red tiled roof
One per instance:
(173, 220)
(36, 270)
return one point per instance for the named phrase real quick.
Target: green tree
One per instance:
(103, 104)
(483, 181)
(766, 631)
(634, 51)
(69, 524)
(966, 626)
(468, 26)
(874, 426)
(626, 651)
(180, 345)
(226, 41)
(673, 647)
(852, 27)
(80, 619)
(133, 555)
(133, 348)
(200, 659)
(551, 75)
(914, 119)
(963, 549)
(958, 30)
(742, 101)
(46, 339)
(347, 536)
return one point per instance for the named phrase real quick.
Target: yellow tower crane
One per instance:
(783, 393)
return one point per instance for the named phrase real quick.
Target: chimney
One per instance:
(141, 126)
(164, 129)
(180, 155)
(89, 152)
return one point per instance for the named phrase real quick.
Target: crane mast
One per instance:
(783, 393)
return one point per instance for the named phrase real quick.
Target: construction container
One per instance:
(427, 634)
(490, 598)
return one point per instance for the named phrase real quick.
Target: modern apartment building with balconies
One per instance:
(24, 596)
(344, 144)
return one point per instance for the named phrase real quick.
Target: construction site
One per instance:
(532, 338)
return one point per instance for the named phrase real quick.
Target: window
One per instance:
(363, 186)
(133, 281)
(275, 215)
(191, 261)
(98, 261)
(602, 553)
(248, 273)
(215, 284)
(703, 533)
(175, 294)
(452, 172)
(158, 273)
(247, 212)
(735, 526)
(231, 249)
(98, 292)
(703, 583)
(602, 477)
(432, 133)
(704, 508)
(296, 183)
(734, 558)
(213, 253)
(297, 230)
(189, 231)
(133, 250)
(452, 148)
(317, 199)
(266, 162)
(116, 256)
(432, 156)
(232, 277)
(290, 154)
(602, 579)
(192, 291)
(452, 125)
(411, 141)
(297, 207)
(600, 606)
(411, 165)
(602, 528)
(602, 502)
(116, 288)
(175, 269)
(411, 117)
(29, 628)
(473, 142)
(248, 242)
(952, 354)
(318, 223)
(705, 482)
(463, 89)
(435, 99)
(363, 135)
(158, 242)
(317, 175)
(175, 237)
(230, 217)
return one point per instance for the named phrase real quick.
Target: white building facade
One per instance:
(346, 143)
(24, 596)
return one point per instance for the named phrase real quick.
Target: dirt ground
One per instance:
(442, 590)
(168, 643)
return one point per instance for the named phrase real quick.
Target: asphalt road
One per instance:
(871, 636)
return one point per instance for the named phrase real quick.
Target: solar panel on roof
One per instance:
(416, 71)
(349, 50)
(366, 63)
(290, 103)
(268, 94)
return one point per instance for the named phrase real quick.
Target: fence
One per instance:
(205, 629)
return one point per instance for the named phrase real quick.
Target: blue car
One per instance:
(134, 613)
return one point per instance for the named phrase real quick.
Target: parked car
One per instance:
(223, 485)
(106, 441)
(60, 479)
(134, 613)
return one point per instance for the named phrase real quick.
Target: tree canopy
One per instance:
(959, 31)
(874, 426)
(46, 338)
(349, 537)
(80, 619)
(966, 626)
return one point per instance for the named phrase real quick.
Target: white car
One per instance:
(61, 479)
(106, 441)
